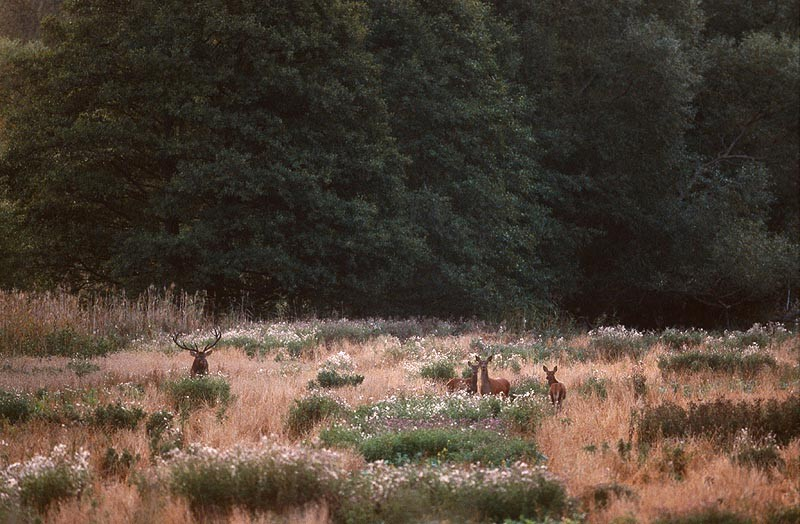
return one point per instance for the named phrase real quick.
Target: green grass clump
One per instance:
(15, 407)
(267, 478)
(617, 342)
(722, 420)
(704, 516)
(117, 416)
(726, 361)
(438, 370)
(309, 411)
(447, 444)
(191, 393)
(452, 493)
(329, 378)
(679, 339)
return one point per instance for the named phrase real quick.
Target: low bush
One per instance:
(15, 407)
(307, 412)
(163, 435)
(704, 516)
(616, 342)
(601, 495)
(191, 393)
(269, 477)
(681, 339)
(452, 493)
(44, 479)
(727, 361)
(438, 370)
(116, 464)
(334, 379)
(762, 454)
(447, 444)
(117, 416)
(593, 385)
(721, 420)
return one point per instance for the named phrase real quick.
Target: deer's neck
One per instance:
(484, 386)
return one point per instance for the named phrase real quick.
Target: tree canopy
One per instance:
(455, 157)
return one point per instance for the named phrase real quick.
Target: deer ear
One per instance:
(545, 369)
(490, 358)
(193, 353)
(555, 369)
(207, 353)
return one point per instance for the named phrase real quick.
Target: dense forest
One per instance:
(499, 159)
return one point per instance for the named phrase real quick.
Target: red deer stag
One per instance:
(200, 364)
(470, 384)
(558, 391)
(490, 386)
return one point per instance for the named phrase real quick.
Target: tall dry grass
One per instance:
(582, 442)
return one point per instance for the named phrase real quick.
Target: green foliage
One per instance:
(722, 420)
(15, 407)
(674, 460)
(82, 366)
(334, 379)
(593, 385)
(452, 493)
(308, 411)
(164, 436)
(617, 342)
(680, 339)
(727, 361)
(438, 370)
(602, 494)
(268, 478)
(191, 393)
(117, 416)
(786, 515)
(446, 444)
(704, 516)
(116, 464)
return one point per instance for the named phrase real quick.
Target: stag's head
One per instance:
(200, 364)
(482, 363)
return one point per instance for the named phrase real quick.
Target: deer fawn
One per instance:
(200, 364)
(470, 384)
(490, 386)
(558, 391)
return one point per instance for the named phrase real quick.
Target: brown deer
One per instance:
(558, 391)
(200, 364)
(490, 386)
(470, 384)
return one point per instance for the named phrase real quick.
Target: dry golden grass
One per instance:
(264, 390)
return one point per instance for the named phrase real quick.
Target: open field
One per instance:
(609, 452)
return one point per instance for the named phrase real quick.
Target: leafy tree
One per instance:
(479, 195)
(220, 145)
(21, 19)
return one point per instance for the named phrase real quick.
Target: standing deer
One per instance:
(200, 364)
(558, 391)
(470, 384)
(490, 386)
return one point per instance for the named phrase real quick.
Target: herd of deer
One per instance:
(478, 382)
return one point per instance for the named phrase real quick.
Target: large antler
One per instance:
(217, 337)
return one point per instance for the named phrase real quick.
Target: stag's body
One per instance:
(490, 386)
(200, 364)
(470, 384)
(558, 391)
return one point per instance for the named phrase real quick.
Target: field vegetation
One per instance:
(671, 426)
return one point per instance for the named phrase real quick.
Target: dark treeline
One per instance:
(417, 157)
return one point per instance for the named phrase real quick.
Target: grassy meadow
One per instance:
(349, 421)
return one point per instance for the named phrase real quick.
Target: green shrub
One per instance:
(617, 342)
(450, 493)
(15, 407)
(704, 516)
(43, 480)
(333, 379)
(593, 385)
(270, 477)
(447, 444)
(69, 342)
(674, 460)
(728, 361)
(163, 434)
(191, 393)
(602, 494)
(721, 420)
(82, 366)
(117, 416)
(116, 464)
(789, 515)
(761, 454)
(438, 370)
(680, 339)
(307, 412)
